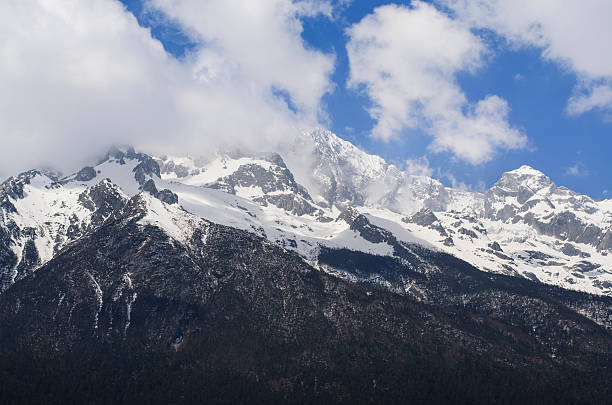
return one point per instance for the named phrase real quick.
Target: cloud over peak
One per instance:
(80, 75)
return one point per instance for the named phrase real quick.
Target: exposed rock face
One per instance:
(102, 199)
(12, 266)
(549, 209)
(167, 196)
(275, 178)
(146, 167)
(605, 242)
(495, 246)
(177, 169)
(361, 224)
(85, 174)
(13, 188)
(522, 185)
(288, 202)
(29, 261)
(273, 184)
(409, 254)
(8, 260)
(571, 250)
(566, 226)
(468, 232)
(164, 195)
(149, 187)
(424, 217)
(427, 218)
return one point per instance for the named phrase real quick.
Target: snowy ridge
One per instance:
(509, 216)
(524, 226)
(177, 223)
(45, 218)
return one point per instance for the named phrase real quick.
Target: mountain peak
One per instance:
(526, 170)
(524, 176)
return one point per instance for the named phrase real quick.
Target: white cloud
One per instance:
(257, 43)
(572, 170)
(589, 97)
(575, 34)
(79, 75)
(418, 167)
(405, 60)
(479, 187)
(578, 169)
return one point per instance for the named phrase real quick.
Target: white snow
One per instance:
(98, 296)
(388, 196)
(209, 171)
(177, 223)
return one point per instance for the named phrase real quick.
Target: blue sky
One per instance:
(443, 87)
(573, 150)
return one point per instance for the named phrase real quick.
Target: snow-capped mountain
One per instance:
(321, 192)
(325, 274)
(524, 225)
(159, 298)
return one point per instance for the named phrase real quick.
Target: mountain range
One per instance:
(524, 225)
(314, 273)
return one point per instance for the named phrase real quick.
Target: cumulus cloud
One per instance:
(590, 96)
(262, 49)
(574, 34)
(79, 75)
(406, 60)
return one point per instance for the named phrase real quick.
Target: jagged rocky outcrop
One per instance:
(12, 188)
(85, 174)
(529, 196)
(147, 167)
(273, 184)
(102, 199)
(521, 185)
(178, 170)
(164, 195)
(425, 217)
